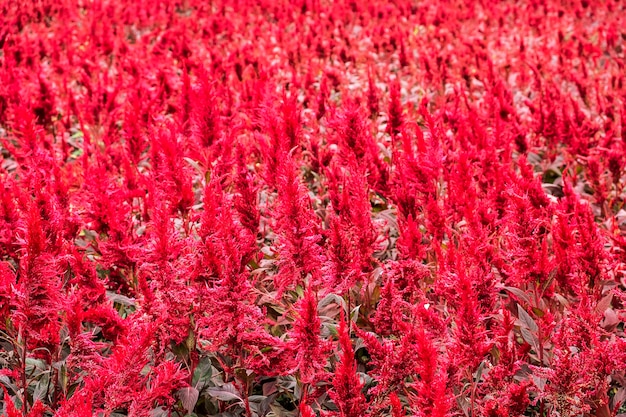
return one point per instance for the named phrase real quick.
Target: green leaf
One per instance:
(203, 373)
(526, 320)
(521, 295)
(120, 299)
(227, 392)
(188, 397)
(538, 312)
(604, 303)
(354, 314)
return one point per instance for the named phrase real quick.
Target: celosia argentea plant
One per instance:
(312, 208)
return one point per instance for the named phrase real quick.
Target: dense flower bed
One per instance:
(312, 207)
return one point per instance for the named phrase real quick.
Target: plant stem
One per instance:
(24, 384)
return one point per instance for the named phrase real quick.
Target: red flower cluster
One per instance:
(312, 207)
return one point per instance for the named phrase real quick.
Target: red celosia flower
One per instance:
(347, 387)
(311, 351)
(179, 183)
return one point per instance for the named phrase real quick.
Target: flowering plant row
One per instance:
(312, 208)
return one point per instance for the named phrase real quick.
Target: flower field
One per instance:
(312, 208)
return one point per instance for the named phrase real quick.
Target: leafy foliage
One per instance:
(315, 208)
